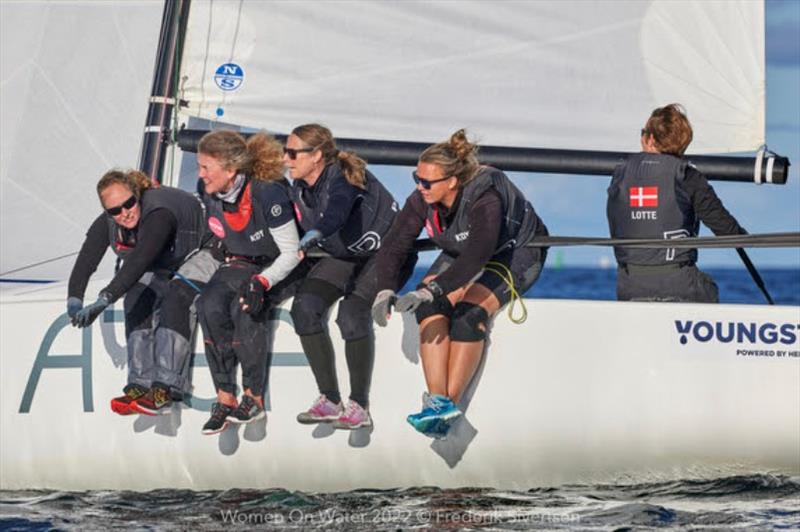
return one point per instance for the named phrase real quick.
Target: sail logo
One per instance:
(369, 241)
(738, 332)
(229, 76)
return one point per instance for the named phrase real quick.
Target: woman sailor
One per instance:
(249, 211)
(482, 222)
(657, 194)
(152, 230)
(346, 211)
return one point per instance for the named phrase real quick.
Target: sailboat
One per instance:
(585, 391)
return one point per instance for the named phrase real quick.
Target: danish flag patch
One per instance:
(643, 196)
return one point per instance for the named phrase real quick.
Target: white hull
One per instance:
(582, 392)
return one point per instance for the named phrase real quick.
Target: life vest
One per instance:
(369, 221)
(518, 227)
(190, 217)
(646, 199)
(244, 231)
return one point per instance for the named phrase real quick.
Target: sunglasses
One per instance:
(292, 152)
(128, 205)
(427, 183)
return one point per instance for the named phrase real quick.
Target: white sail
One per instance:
(75, 78)
(574, 75)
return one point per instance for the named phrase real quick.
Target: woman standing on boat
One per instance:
(347, 212)
(657, 194)
(249, 211)
(482, 222)
(152, 230)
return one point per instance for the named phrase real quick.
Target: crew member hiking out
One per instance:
(249, 211)
(482, 223)
(153, 231)
(347, 212)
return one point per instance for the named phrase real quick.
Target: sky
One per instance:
(759, 209)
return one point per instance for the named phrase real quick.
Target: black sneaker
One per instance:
(247, 411)
(218, 421)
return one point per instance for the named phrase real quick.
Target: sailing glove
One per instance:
(253, 294)
(309, 240)
(423, 294)
(86, 316)
(382, 307)
(74, 305)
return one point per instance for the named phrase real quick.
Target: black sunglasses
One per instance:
(292, 152)
(128, 205)
(426, 183)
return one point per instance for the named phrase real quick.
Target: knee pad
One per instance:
(468, 323)
(439, 305)
(311, 305)
(354, 318)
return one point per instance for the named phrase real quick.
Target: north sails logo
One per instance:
(460, 237)
(737, 331)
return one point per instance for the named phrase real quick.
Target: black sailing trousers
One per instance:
(233, 336)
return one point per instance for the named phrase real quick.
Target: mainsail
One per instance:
(572, 75)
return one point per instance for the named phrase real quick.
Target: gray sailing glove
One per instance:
(87, 315)
(382, 307)
(74, 305)
(423, 294)
(309, 240)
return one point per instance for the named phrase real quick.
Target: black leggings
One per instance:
(356, 283)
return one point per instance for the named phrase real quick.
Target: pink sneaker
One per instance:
(354, 417)
(322, 411)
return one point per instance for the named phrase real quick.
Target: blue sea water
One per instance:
(735, 284)
(765, 502)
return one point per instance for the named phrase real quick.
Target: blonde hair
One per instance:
(136, 181)
(320, 138)
(670, 128)
(260, 156)
(456, 157)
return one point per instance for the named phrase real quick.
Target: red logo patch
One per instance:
(297, 213)
(216, 227)
(643, 196)
(429, 227)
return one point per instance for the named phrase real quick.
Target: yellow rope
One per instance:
(505, 275)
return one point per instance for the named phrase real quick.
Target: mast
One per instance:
(764, 168)
(163, 92)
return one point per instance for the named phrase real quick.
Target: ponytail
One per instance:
(260, 156)
(457, 157)
(320, 138)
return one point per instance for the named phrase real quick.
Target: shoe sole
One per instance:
(446, 419)
(308, 421)
(164, 410)
(207, 432)
(238, 421)
(123, 409)
(346, 426)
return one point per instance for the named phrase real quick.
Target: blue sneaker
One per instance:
(437, 414)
